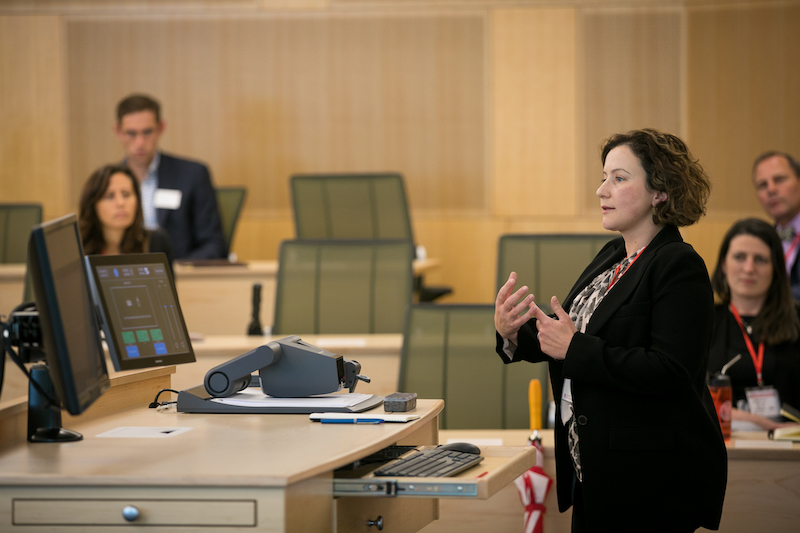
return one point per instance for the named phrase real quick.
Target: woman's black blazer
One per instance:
(649, 439)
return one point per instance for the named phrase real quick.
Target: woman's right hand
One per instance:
(508, 314)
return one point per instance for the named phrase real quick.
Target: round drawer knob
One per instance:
(378, 523)
(130, 513)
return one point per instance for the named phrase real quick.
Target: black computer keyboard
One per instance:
(432, 462)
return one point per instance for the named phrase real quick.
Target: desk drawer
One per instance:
(353, 515)
(109, 512)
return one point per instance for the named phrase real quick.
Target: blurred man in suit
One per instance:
(776, 176)
(177, 194)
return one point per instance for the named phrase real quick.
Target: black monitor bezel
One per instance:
(101, 305)
(56, 348)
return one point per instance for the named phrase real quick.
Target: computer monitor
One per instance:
(139, 310)
(76, 369)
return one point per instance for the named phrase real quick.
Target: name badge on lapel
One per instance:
(167, 199)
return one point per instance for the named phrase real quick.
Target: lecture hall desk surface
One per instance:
(228, 472)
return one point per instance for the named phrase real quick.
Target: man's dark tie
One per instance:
(786, 234)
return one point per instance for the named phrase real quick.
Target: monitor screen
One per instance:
(70, 337)
(139, 311)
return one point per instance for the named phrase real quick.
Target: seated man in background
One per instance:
(177, 194)
(776, 176)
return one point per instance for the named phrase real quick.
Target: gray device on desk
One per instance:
(287, 368)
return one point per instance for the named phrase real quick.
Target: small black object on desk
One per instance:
(255, 328)
(400, 402)
(465, 447)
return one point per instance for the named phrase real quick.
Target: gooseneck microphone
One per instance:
(255, 322)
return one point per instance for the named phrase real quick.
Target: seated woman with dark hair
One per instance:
(757, 320)
(110, 218)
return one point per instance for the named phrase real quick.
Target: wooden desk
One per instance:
(763, 491)
(229, 472)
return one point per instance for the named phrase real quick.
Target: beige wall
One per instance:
(493, 110)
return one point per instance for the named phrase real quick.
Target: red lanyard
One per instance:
(618, 274)
(758, 360)
(788, 253)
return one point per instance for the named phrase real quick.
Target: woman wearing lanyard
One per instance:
(638, 445)
(756, 320)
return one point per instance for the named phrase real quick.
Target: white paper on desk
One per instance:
(253, 397)
(144, 432)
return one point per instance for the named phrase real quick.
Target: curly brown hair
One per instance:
(135, 238)
(670, 168)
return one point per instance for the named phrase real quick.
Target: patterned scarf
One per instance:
(581, 310)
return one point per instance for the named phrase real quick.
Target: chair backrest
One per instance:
(229, 203)
(449, 352)
(350, 206)
(548, 264)
(16, 221)
(342, 286)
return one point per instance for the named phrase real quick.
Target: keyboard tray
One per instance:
(429, 462)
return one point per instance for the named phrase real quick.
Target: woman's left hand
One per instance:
(554, 334)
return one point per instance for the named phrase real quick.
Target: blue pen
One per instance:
(352, 421)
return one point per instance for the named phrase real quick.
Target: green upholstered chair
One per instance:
(355, 206)
(16, 221)
(342, 286)
(350, 206)
(548, 264)
(449, 352)
(229, 203)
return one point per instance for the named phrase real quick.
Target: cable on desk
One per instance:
(155, 403)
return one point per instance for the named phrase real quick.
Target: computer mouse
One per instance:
(466, 447)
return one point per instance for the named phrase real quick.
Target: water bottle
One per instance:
(719, 385)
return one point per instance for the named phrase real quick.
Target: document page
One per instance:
(253, 397)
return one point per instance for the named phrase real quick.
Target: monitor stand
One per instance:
(44, 418)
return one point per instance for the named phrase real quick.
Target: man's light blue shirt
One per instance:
(149, 187)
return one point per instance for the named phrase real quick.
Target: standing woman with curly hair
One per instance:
(638, 445)
(110, 217)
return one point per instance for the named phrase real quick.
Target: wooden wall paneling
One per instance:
(33, 112)
(259, 237)
(533, 106)
(467, 248)
(320, 91)
(260, 99)
(631, 76)
(109, 59)
(744, 82)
